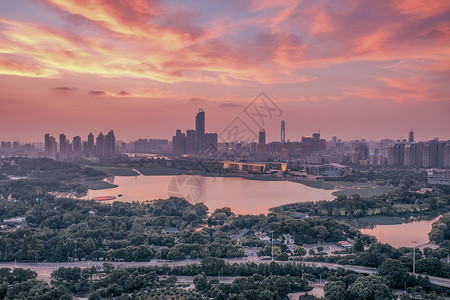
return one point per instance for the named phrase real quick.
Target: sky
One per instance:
(352, 69)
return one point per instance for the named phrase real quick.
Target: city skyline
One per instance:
(145, 67)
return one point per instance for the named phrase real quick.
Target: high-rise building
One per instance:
(190, 141)
(76, 144)
(178, 143)
(200, 130)
(211, 142)
(363, 152)
(90, 145)
(63, 144)
(50, 146)
(283, 131)
(110, 144)
(262, 136)
(411, 136)
(447, 155)
(100, 145)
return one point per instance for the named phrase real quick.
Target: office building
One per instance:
(411, 136)
(90, 145)
(100, 146)
(200, 130)
(110, 144)
(178, 143)
(50, 146)
(190, 141)
(64, 146)
(76, 144)
(283, 131)
(438, 176)
(262, 136)
(211, 142)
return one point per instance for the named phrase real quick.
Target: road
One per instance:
(44, 270)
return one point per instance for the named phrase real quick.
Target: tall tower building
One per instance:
(211, 142)
(283, 131)
(50, 146)
(100, 145)
(200, 130)
(190, 141)
(110, 144)
(63, 144)
(411, 136)
(262, 136)
(47, 144)
(178, 143)
(90, 144)
(76, 144)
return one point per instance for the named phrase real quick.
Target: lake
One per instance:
(243, 196)
(401, 235)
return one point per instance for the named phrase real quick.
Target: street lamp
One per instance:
(414, 256)
(272, 245)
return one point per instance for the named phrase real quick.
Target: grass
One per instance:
(263, 178)
(115, 171)
(99, 185)
(364, 191)
(317, 184)
(380, 220)
(161, 171)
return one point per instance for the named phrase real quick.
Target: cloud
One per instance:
(96, 93)
(230, 105)
(123, 93)
(197, 101)
(245, 44)
(64, 89)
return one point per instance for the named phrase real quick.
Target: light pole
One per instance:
(272, 245)
(414, 256)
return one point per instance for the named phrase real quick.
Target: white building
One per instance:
(438, 176)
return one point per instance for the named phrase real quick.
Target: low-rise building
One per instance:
(438, 176)
(329, 170)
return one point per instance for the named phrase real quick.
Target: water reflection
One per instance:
(401, 235)
(243, 196)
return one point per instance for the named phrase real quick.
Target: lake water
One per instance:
(243, 196)
(401, 235)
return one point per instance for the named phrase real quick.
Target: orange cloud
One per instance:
(422, 9)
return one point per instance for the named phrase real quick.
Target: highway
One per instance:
(44, 270)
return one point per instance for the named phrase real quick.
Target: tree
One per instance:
(299, 251)
(358, 246)
(311, 251)
(200, 282)
(335, 290)
(94, 296)
(394, 271)
(281, 286)
(370, 287)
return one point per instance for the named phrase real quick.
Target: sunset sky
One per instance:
(355, 69)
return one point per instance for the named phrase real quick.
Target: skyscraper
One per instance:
(200, 130)
(110, 144)
(50, 146)
(190, 141)
(76, 144)
(262, 136)
(90, 144)
(100, 145)
(63, 144)
(178, 143)
(411, 136)
(283, 131)
(211, 142)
